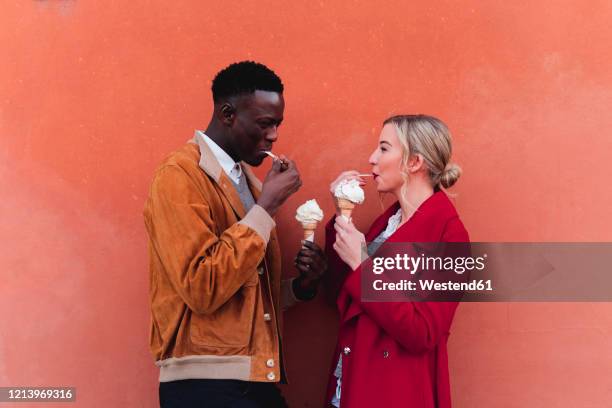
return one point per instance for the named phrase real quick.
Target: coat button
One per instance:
(385, 354)
(347, 351)
(271, 376)
(267, 317)
(270, 363)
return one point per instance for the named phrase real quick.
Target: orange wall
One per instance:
(93, 94)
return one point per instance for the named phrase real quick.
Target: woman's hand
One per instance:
(349, 242)
(345, 175)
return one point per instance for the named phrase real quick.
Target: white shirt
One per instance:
(229, 166)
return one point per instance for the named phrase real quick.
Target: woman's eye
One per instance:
(383, 149)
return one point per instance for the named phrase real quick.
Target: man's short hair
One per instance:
(244, 77)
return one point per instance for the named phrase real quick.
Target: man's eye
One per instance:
(384, 149)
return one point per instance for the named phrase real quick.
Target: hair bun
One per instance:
(450, 175)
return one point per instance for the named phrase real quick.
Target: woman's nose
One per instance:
(373, 159)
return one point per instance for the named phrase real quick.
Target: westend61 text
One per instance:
(428, 284)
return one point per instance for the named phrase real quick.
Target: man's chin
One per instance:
(255, 161)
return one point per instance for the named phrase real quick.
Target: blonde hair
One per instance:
(430, 138)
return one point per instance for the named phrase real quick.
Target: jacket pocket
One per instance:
(229, 326)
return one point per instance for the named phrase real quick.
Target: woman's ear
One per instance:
(415, 163)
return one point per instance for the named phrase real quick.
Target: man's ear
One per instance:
(226, 113)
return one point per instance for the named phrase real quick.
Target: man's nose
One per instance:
(272, 135)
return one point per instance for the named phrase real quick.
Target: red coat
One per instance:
(394, 353)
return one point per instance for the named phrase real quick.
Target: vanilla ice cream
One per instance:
(309, 212)
(350, 190)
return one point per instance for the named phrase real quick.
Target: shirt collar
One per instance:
(229, 166)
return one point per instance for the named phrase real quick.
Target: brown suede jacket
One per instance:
(215, 274)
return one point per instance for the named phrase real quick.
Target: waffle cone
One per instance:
(345, 206)
(309, 230)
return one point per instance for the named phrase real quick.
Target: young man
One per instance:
(215, 271)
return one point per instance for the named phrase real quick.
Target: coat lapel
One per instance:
(349, 309)
(273, 251)
(254, 183)
(380, 223)
(210, 165)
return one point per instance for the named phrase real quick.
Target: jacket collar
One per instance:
(229, 166)
(210, 165)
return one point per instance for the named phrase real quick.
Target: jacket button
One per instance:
(260, 270)
(267, 317)
(385, 354)
(270, 363)
(271, 376)
(347, 351)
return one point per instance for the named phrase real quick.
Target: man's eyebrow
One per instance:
(384, 141)
(271, 118)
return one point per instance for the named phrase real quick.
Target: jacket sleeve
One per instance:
(206, 267)
(290, 295)
(287, 297)
(416, 326)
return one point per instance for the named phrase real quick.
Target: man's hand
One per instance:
(282, 180)
(311, 262)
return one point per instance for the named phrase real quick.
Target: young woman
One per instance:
(393, 354)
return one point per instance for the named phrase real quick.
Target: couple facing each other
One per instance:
(216, 287)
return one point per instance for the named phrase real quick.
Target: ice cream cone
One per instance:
(345, 206)
(309, 214)
(309, 230)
